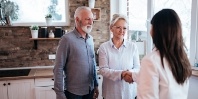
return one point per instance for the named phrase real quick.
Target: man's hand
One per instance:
(96, 93)
(127, 76)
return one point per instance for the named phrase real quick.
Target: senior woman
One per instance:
(118, 62)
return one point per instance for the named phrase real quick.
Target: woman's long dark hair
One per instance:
(167, 38)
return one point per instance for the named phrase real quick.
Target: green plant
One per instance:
(48, 16)
(34, 27)
(10, 8)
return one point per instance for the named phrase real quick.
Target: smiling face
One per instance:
(85, 21)
(119, 29)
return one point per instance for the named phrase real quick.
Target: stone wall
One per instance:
(17, 49)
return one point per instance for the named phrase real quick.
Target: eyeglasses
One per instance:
(119, 27)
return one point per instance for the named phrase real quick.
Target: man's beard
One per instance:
(86, 28)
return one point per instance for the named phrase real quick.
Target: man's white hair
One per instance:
(79, 10)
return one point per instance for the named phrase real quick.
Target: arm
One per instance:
(96, 91)
(105, 71)
(95, 73)
(59, 68)
(136, 64)
(148, 81)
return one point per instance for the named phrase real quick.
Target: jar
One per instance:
(51, 34)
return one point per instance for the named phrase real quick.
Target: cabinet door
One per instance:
(100, 79)
(45, 92)
(21, 89)
(3, 90)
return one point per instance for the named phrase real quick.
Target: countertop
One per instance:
(34, 73)
(194, 71)
(47, 72)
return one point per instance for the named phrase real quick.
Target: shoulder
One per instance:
(90, 36)
(130, 43)
(152, 58)
(68, 36)
(154, 55)
(105, 44)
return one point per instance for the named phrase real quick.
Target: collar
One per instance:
(112, 45)
(78, 34)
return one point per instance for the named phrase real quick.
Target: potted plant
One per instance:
(34, 31)
(48, 19)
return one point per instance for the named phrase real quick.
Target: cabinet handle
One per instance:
(52, 88)
(98, 77)
(4, 84)
(8, 83)
(53, 79)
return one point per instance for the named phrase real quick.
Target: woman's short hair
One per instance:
(117, 17)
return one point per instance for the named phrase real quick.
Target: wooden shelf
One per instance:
(44, 38)
(36, 39)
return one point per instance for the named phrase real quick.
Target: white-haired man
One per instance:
(75, 60)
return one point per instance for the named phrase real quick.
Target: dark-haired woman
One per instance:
(165, 72)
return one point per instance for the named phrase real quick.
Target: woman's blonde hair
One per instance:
(117, 17)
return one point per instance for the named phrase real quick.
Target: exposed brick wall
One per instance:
(16, 49)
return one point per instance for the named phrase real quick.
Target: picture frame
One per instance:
(97, 13)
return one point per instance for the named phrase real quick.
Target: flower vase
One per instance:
(48, 21)
(34, 33)
(51, 34)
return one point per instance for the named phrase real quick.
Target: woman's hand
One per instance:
(127, 76)
(96, 93)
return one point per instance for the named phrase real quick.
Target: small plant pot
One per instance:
(48, 21)
(34, 33)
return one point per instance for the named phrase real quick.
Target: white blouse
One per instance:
(112, 62)
(156, 82)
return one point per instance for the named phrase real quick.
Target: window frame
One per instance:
(116, 5)
(66, 23)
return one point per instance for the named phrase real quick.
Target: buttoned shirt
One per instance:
(156, 82)
(112, 61)
(75, 61)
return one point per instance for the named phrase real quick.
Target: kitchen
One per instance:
(17, 50)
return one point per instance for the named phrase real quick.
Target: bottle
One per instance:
(51, 34)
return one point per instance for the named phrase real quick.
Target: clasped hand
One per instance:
(127, 76)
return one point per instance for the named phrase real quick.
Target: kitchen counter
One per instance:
(34, 73)
(195, 73)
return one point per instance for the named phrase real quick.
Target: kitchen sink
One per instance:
(14, 73)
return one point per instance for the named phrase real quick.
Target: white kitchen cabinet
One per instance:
(17, 89)
(100, 78)
(46, 92)
(44, 88)
(3, 90)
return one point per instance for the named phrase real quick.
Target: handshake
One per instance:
(127, 76)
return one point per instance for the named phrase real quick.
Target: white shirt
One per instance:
(156, 82)
(112, 62)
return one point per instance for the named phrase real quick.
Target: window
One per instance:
(140, 13)
(33, 12)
